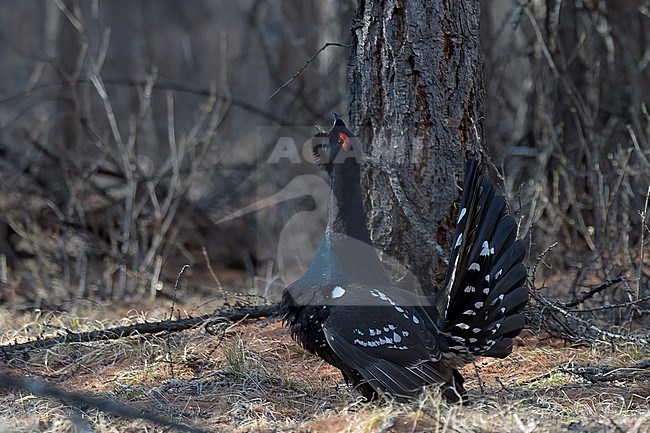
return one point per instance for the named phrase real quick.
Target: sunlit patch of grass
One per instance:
(375, 417)
(239, 359)
(555, 378)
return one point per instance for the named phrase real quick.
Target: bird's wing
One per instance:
(386, 341)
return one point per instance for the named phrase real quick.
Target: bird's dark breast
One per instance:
(305, 326)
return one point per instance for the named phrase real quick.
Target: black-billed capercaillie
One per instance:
(393, 341)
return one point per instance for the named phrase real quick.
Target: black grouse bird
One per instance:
(388, 340)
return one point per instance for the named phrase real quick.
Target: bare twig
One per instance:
(595, 290)
(212, 273)
(634, 303)
(183, 88)
(478, 377)
(70, 16)
(4, 273)
(540, 259)
(311, 59)
(644, 216)
(171, 317)
(570, 319)
(178, 277)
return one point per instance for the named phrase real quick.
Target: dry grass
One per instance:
(252, 377)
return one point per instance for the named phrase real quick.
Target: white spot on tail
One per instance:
(396, 337)
(459, 240)
(485, 250)
(470, 289)
(474, 267)
(338, 292)
(486, 290)
(473, 340)
(461, 214)
(476, 330)
(478, 305)
(416, 320)
(498, 274)
(405, 334)
(469, 313)
(463, 326)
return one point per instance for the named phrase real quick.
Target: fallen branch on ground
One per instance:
(606, 373)
(599, 373)
(11, 350)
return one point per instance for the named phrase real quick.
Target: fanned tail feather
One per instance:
(485, 288)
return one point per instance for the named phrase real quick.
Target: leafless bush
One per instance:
(126, 134)
(567, 84)
(102, 194)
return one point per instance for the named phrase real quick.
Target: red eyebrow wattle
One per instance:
(346, 141)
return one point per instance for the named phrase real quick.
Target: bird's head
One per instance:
(339, 146)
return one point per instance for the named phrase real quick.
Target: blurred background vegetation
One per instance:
(128, 129)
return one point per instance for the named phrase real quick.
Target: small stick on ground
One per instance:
(607, 373)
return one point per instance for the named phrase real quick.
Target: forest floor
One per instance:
(251, 377)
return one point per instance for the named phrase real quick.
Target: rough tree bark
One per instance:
(417, 102)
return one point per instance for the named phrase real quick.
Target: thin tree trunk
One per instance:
(417, 102)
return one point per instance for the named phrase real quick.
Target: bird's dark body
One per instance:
(391, 341)
(305, 327)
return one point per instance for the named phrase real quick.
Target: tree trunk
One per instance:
(417, 104)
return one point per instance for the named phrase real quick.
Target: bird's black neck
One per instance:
(345, 215)
(346, 252)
